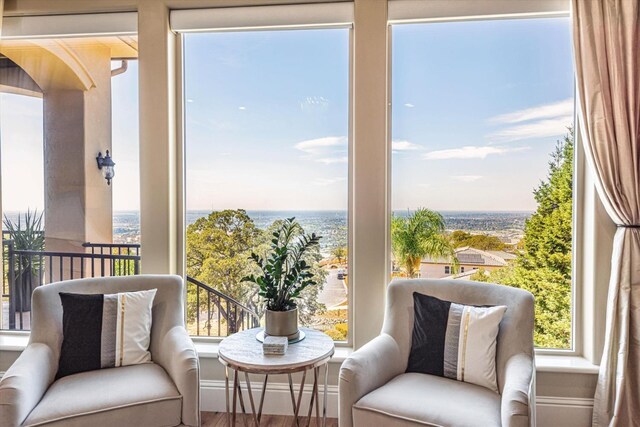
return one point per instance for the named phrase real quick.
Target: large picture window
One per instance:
(266, 139)
(482, 163)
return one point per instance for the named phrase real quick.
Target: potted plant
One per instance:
(285, 274)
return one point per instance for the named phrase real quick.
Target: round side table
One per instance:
(242, 352)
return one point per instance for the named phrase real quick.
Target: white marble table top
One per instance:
(242, 351)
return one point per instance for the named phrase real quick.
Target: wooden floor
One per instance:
(219, 419)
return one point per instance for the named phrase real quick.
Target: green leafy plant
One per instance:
(285, 273)
(31, 238)
(26, 235)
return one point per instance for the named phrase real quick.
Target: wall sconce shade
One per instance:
(105, 164)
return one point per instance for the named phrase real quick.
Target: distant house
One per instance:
(469, 260)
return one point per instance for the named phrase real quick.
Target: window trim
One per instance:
(406, 12)
(596, 229)
(251, 18)
(414, 11)
(181, 168)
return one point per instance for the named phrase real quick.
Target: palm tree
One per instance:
(418, 235)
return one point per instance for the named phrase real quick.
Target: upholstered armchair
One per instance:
(162, 393)
(376, 391)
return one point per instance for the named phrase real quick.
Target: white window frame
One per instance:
(405, 12)
(259, 18)
(595, 229)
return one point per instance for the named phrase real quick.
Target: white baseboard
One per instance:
(563, 411)
(277, 401)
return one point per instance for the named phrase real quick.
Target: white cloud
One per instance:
(323, 182)
(242, 108)
(469, 152)
(311, 103)
(554, 110)
(536, 122)
(409, 105)
(404, 146)
(332, 160)
(467, 178)
(319, 145)
(189, 100)
(538, 129)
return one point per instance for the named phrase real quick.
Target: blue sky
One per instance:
(476, 110)
(267, 119)
(478, 107)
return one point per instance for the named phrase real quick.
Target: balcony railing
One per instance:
(210, 312)
(26, 270)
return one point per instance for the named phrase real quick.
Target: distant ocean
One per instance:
(332, 225)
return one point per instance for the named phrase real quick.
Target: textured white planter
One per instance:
(282, 323)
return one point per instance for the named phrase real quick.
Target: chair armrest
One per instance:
(177, 355)
(517, 394)
(365, 370)
(25, 382)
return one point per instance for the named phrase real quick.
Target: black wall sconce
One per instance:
(105, 164)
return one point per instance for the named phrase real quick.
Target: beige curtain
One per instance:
(607, 56)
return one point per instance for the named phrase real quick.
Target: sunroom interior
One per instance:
(174, 137)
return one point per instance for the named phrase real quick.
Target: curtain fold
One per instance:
(607, 55)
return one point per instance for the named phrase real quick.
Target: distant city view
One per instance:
(332, 225)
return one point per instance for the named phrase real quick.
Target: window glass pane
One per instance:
(482, 140)
(64, 104)
(267, 117)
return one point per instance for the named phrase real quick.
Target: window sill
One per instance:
(566, 364)
(13, 341)
(209, 350)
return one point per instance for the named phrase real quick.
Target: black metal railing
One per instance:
(212, 313)
(28, 269)
(209, 311)
(113, 248)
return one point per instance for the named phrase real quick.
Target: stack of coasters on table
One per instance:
(275, 345)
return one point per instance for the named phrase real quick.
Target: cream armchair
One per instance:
(376, 391)
(162, 393)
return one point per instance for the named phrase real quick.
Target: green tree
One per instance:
(219, 247)
(420, 234)
(340, 252)
(483, 242)
(543, 267)
(547, 237)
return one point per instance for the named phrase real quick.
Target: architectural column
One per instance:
(77, 125)
(158, 184)
(370, 164)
